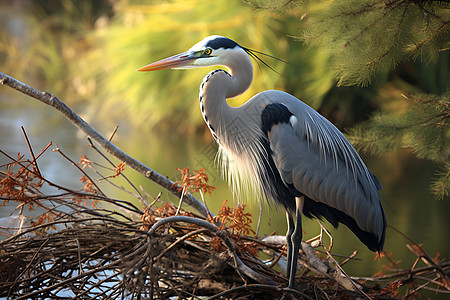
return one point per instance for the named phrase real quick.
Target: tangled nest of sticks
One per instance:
(76, 251)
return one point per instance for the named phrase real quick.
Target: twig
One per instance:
(57, 149)
(53, 101)
(138, 196)
(113, 133)
(349, 258)
(79, 255)
(221, 234)
(258, 287)
(29, 264)
(181, 239)
(209, 217)
(41, 178)
(424, 255)
(316, 265)
(339, 275)
(96, 286)
(142, 198)
(181, 200)
(63, 282)
(31, 151)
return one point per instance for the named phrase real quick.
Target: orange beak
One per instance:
(177, 61)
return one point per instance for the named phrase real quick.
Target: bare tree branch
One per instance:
(53, 101)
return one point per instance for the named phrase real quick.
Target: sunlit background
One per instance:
(85, 52)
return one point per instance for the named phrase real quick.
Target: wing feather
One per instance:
(314, 156)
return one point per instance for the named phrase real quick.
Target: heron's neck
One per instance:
(216, 87)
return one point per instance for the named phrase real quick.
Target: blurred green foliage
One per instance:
(91, 56)
(139, 34)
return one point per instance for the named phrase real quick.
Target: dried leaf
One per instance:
(194, 182)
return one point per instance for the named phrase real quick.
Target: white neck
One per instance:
(219, 85)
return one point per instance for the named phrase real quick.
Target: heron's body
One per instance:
(284, 150)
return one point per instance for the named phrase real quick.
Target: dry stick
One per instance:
(111, 163)
(75, 263)
(412, 292)
(43, 150)
(79, 255)
(339, 275)
(93, 286)
(349, 258)
(240, 266)
(63, 188)
(28, 266)
(427, 257)
(407, 273)
(33, 171)
(29, 189)
(181, 239)
(258, 287)
(181, 201)
(113, 133)
(18, 161)
(85, 220)
(31, 151)
(204, 202)
(46, 251)
(57, 149)
(124, 205)
(318, 266)
(72, 279)
(138, 196)
(434, 281)
(53, 101)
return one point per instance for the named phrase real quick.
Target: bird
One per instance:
(282, 149)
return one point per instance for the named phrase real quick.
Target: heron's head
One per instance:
(211, 51)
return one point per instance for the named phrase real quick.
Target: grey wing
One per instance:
(315, 157)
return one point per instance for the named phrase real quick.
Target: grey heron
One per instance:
(283, 149)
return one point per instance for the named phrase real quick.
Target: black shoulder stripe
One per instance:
(284, 194)
(273, 114)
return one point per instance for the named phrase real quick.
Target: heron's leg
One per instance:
(291, 227)
(296, 240)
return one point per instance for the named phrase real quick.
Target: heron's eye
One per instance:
(208, 51)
